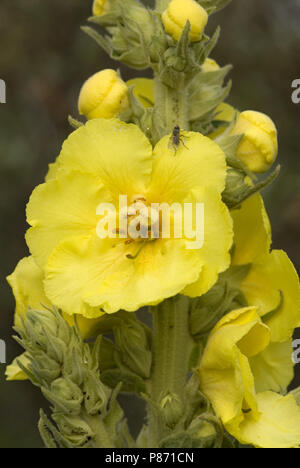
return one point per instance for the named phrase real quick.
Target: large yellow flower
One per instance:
(27, 285)
(98, 163)
(261, 418)
(272, 285)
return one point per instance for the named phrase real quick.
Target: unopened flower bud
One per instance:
(132, 340)
(100, 7)
(96, 395)
(104, 95)
(65, 394)
(179, 12)
(210, 65)
(74, 429)
(172, 408)
(259, 147)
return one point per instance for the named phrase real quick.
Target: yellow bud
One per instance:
(179, 12)
(143, 90)
(100, 7)
(103, 95)
(259, 146)
(210, 65)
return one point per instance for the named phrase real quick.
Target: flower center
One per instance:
(140, 221)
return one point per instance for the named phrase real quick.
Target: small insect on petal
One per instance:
(176, 139)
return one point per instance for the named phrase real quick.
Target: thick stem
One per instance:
(171, 105)
(172, 344)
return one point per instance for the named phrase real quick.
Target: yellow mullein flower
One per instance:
(28, 289)
(272, 281)
(143, 90)
(272, 285)
(259, 146)
(100, 7)
(99, 162)
(263, 419)
(103, 95)
(179, 12)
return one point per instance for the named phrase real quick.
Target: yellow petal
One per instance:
(225, 375)
(63, 207)
(252, 231)
(210, 65)
(214, 253)
(262, 289)
(13, 371)
(52, 171)
(197, 162)
(278, 425)
(273, 368)
(257, 287)
(117, 152)
(88, 327)
(100, 275)
(27, 285)
(225, 112)
(143, 90)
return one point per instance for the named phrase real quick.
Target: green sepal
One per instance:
(131, 382)
(51, 437)
(234, 200)
(76, 431)
(65, 395)
(103, 42)
(212, 6)
(74, 122)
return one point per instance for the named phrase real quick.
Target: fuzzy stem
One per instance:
(171, 105)
(172, 344)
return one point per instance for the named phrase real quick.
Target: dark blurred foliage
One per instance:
(45, 58)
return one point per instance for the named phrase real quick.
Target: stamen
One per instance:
(133, 257)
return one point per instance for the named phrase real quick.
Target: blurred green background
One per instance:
(45, 58)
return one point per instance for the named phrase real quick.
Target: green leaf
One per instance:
(101, 41)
